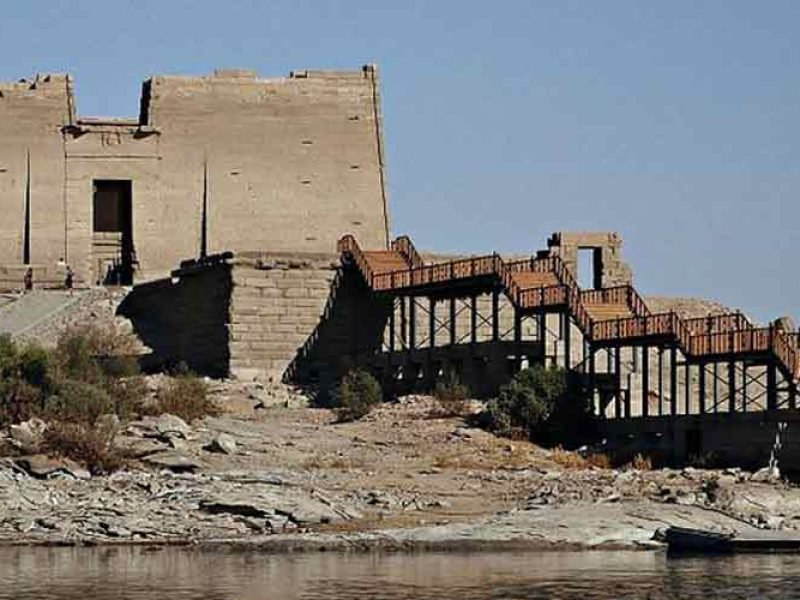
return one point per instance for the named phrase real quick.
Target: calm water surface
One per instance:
(137, 574)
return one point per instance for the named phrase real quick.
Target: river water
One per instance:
(176, 574)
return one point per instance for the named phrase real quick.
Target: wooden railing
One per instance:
(348, 245)
(438, 273)
(611, 295)
(637, 304)
(717, 323)
(662, 324)
(405, 247)
(553, 295)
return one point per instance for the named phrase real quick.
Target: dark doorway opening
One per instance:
(112, 226)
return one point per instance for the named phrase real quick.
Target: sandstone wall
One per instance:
(277, 302)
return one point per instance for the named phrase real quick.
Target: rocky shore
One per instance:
(274, 474)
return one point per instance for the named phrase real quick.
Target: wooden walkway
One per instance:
(608, 319)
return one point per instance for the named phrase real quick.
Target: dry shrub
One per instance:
(567, 459)
(91, 354)
(452, 397)
(573, 460)
(90, 445)
(128, 396)
(186, 396)
(640, 463)
(599, 461)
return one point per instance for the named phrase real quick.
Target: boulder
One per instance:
(46, 467)
(27, 436)
(223, 443)
(174, 461)
(163, 427)
(169, 425)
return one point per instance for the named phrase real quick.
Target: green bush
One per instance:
(186, 396)
(545, 404)
(358, 393)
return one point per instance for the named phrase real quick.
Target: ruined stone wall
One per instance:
(290, 164)
(609, 265)
(184, 318)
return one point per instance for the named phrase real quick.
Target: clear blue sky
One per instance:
(676, 123)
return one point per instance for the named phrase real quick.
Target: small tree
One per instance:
(358, 393)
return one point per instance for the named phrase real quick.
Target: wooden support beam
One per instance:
(542, 322)
(567, 331)
(716, 387)
(660, 381)
(731, 386)
(431, 323)
(403, 322)
(592, 375)
(473, 319)
(495, 314)
(645, 381)
(412, 323)
(687, 383)
(673, 380)
(453, 317)
(620, 404)
(391, 327)
(701, 388)
(772, 386)
(745, 399)
(517, 339)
